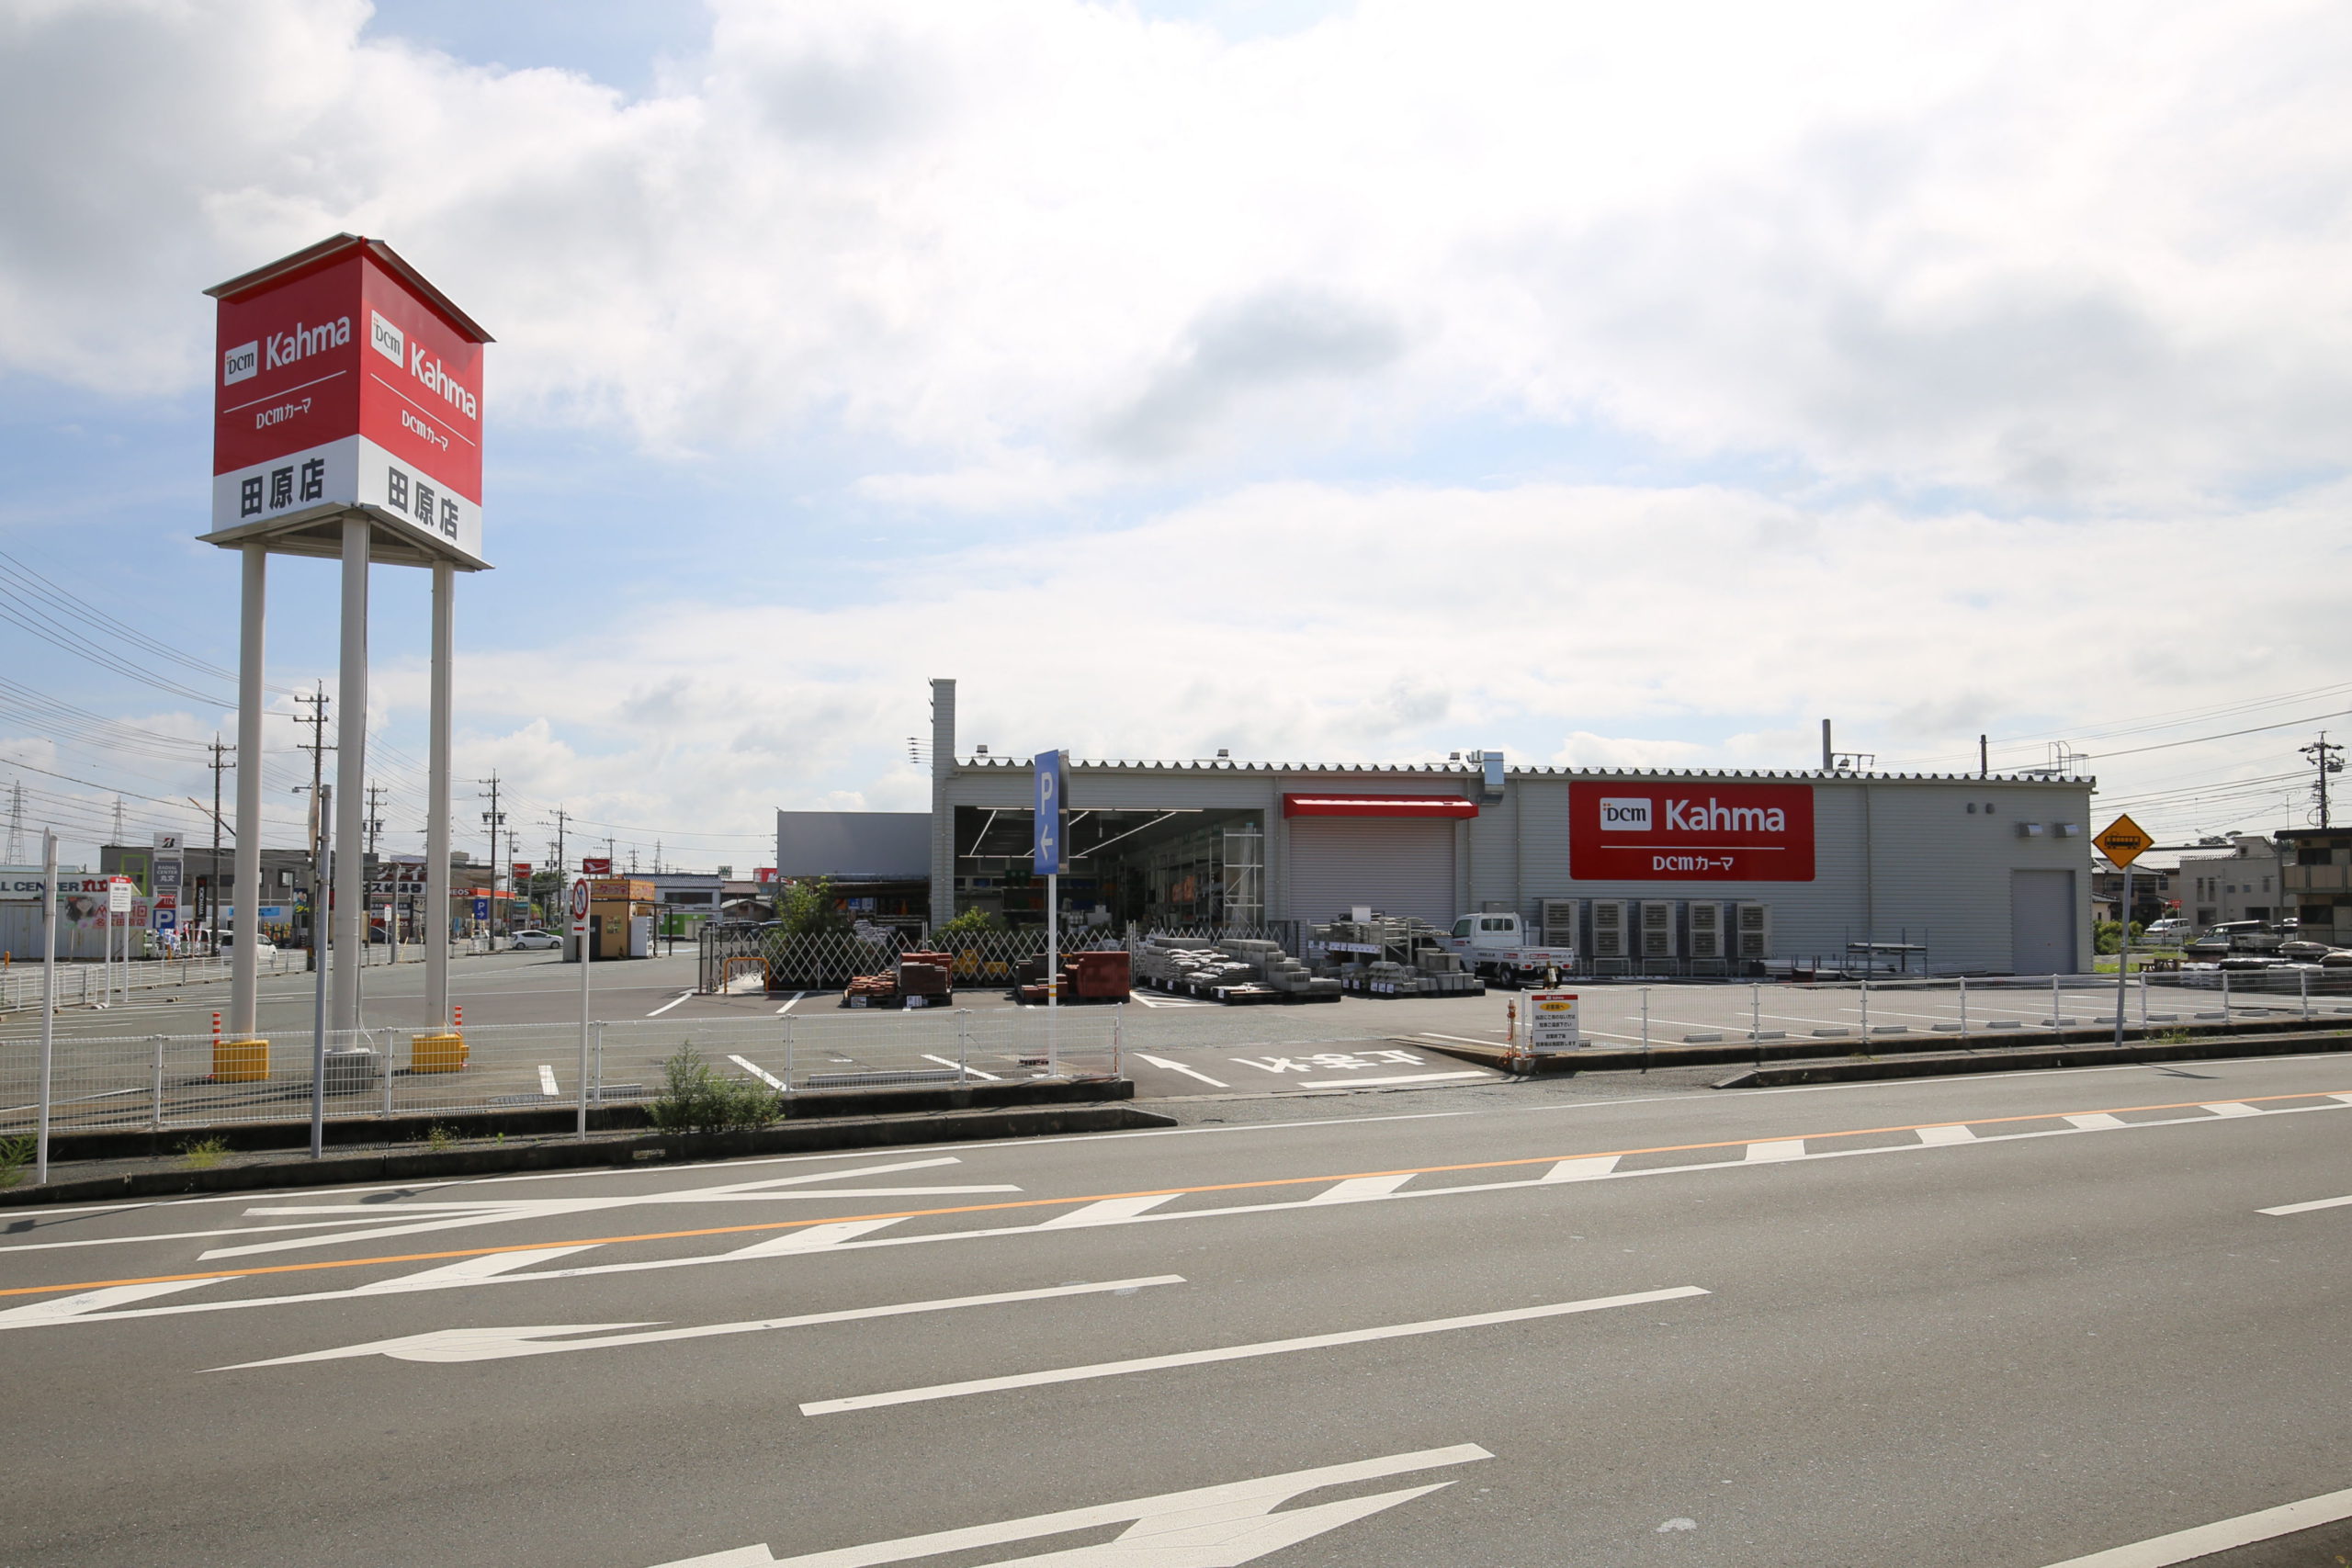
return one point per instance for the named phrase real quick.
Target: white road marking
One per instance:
(1209, 1527)
(2183, 1546)
(2307, 1208)
(1357, 1188)
(1150, 1001)
(1462, 1040)
(815, 1238)
(503, 1344)
(470, 1270)
(760, 1073)
(170, 1235)
(2096, 1121)
(1777, 1148)
(1935, 1136)
(788, 1006)
(413, 1218)
(2232, 1108)
(1403, 1077)
(1106, 1211)
(1583, 1169)
(1236, 1352)
(48, 1311)
(547, 1080)
(665, 1007)
(969, 1071)
(1181, 1068)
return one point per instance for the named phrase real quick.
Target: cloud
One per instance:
(2075, 255)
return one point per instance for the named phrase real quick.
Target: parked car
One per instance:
(229, 940)
(2234, 936)
(534, 939)
(2164, 932)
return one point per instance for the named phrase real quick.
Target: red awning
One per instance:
(1428, 806)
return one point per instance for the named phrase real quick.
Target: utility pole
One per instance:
(318, 749)
(2328, 759)
(608, 848)
(632, 860)
(497, 819)
(560, 817)
(212, 882)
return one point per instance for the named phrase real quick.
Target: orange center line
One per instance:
(1104, 1197)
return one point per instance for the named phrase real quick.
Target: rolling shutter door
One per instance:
(1394, 865)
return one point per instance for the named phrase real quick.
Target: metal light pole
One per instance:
(321, 947)
(580, 923)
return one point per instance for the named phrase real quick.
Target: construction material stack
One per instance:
(925, 979)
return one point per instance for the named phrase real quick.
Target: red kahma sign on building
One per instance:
(343, 379)
(1692, 831)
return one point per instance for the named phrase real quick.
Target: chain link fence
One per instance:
(20, 983)
(194, 1081)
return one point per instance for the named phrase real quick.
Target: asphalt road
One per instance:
(1992, 1323)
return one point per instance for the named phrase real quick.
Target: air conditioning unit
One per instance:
(1752, 931)
(1657, 929)
(1560, 923)
(1707, 932)
(1610, 935)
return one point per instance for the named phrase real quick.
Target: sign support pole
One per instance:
(1053, 970)
(47, 997)
(436, 800)
(2123, 954)
(322, 950)
(245, 890)
(349, 909)
(581, 925)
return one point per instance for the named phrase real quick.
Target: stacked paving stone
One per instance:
(1280, 971)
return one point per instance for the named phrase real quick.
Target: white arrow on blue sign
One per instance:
(1045, 839)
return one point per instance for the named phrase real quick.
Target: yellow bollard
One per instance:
(239, 1061)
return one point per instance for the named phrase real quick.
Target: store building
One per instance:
(1656, 871)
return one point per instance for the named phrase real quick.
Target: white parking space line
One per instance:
(1238, 1352)
(547, 1080)
(1181, 1068)
(1933, 1135)
(974, 1072)
(1459, 1039)
(1778, 1149)
(665, 1007)
(2183, 1546)
(790, 1005)
(2307, 1208)
(1167, 1002)
(1403, 1077)
(759, 1073)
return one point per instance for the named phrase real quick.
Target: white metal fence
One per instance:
(170, 1082)
(81, 983)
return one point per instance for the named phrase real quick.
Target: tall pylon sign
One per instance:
(347, 423)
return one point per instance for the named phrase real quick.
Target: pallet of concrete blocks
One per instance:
(1444, 975)
(1283, 973)
(1173, 964)
(1383, 978)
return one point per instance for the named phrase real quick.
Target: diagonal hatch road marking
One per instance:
(2342, 1099)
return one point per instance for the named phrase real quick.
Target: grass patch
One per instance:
(439, 1139)
(14, 1155)
(203, 1154)
(695, 1099)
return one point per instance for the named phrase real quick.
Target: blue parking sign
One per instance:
(481, 908)
(1046, 835)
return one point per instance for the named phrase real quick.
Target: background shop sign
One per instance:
(1689, 831)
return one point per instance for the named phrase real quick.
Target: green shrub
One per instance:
(204, 1153)
(694, 1099)
(970, 923)
(14, 1155)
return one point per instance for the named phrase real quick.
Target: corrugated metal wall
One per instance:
(1398, 867)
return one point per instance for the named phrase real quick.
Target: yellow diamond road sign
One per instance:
(2123, 842)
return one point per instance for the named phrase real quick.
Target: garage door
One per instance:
(2041, 922)
(1395, 864)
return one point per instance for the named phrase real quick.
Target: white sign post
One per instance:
(48, 995)
(1551, 1022)
(119, 891)
(580, 935)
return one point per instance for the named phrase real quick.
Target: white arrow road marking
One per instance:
(502, 1343)
(1210, 1526)
(2184, 1546)
(66, 1309)
(2307, 1208)
(1239, 1352)
(665, 1007)
(415, 1219)
(974, 1072)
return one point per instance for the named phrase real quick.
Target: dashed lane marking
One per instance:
(2339, 1098)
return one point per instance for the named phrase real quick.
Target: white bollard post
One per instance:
(2225, 995)
(1963, 1006)
(155, 1084)
(2053, 1004)
(1646, 1019)
(1755, 1012)
(2304, 986)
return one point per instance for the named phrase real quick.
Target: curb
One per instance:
(1943, 1066)
(817, 1135)
(1805, 1047)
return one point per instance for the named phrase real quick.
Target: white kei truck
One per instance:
(1496, 947)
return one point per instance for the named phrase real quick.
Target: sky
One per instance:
(1334, 382)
